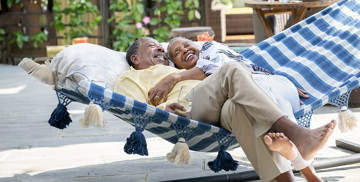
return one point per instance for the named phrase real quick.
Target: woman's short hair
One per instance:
(172, 41)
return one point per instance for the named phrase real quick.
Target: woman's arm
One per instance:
(164, 87)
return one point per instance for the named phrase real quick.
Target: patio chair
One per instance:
(320, 55)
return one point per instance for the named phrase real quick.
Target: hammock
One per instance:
(320, 55)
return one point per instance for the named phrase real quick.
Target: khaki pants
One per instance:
(231, 99)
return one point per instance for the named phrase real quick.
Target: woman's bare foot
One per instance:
(310, 141)
(279, 143)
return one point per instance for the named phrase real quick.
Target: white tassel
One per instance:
(93, 116)
(180, 154)
(347, 120)
(40, 72)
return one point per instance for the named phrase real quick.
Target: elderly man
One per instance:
(229, 98)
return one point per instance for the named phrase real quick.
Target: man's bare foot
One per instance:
(310, 141)
(279, 143)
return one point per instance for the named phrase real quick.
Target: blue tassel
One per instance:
(60, 117)
(223, 161)
(136, 143)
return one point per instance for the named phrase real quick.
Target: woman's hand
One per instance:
(172, 108)
(302, 94)
(164, 87)
(161, 90)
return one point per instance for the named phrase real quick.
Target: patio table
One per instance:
(297, 8)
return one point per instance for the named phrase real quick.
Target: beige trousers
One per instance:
(231, 99)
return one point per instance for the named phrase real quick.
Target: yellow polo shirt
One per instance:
(137, 83)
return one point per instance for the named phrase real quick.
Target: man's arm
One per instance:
(164, 87)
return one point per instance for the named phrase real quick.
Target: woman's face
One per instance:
(184, 54)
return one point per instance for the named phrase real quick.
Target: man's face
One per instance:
(184, 53)
(151, 53)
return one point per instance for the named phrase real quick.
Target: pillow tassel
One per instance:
(223, 161)
(60, 117)
(93, 116)
(40, 72)
(180, 154)
(347, 120)
(136, 143)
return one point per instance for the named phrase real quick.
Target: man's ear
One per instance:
(135, 59)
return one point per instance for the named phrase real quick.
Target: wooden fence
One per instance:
(30, 17)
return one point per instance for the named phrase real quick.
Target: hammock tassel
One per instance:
(223, 161)
(347, 120)
(180, 154)
(60, 117)
(136, 143)
(40, 72)
(93, 116)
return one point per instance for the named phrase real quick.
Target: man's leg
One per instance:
(234, 81)
(267, 164)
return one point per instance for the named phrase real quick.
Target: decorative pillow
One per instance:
(88, 61)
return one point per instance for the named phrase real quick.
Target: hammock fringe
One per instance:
(180, 154)
(60, 117)
(347, 120)
(93, 116)
(223, 161)
(136, 143)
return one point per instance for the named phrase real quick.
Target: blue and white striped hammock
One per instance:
(320, 55)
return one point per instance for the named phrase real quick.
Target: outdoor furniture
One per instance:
(190, 32)
(239, 21)
(320, 55)
(298, 9)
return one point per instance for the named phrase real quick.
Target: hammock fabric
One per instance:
(320, 55)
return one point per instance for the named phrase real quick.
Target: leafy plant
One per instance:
(9, 3)
(76, 11)
(193, 6)
(128, 27)
(226, 2)
(174, 12)
(2, 34)
(19, 38)
(38, 38)
(125, 31)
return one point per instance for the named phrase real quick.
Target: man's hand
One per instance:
(172, 108)
(302, 94)
(161, 90)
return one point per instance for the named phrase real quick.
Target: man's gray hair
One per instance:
(172, 41)
(134, 49)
